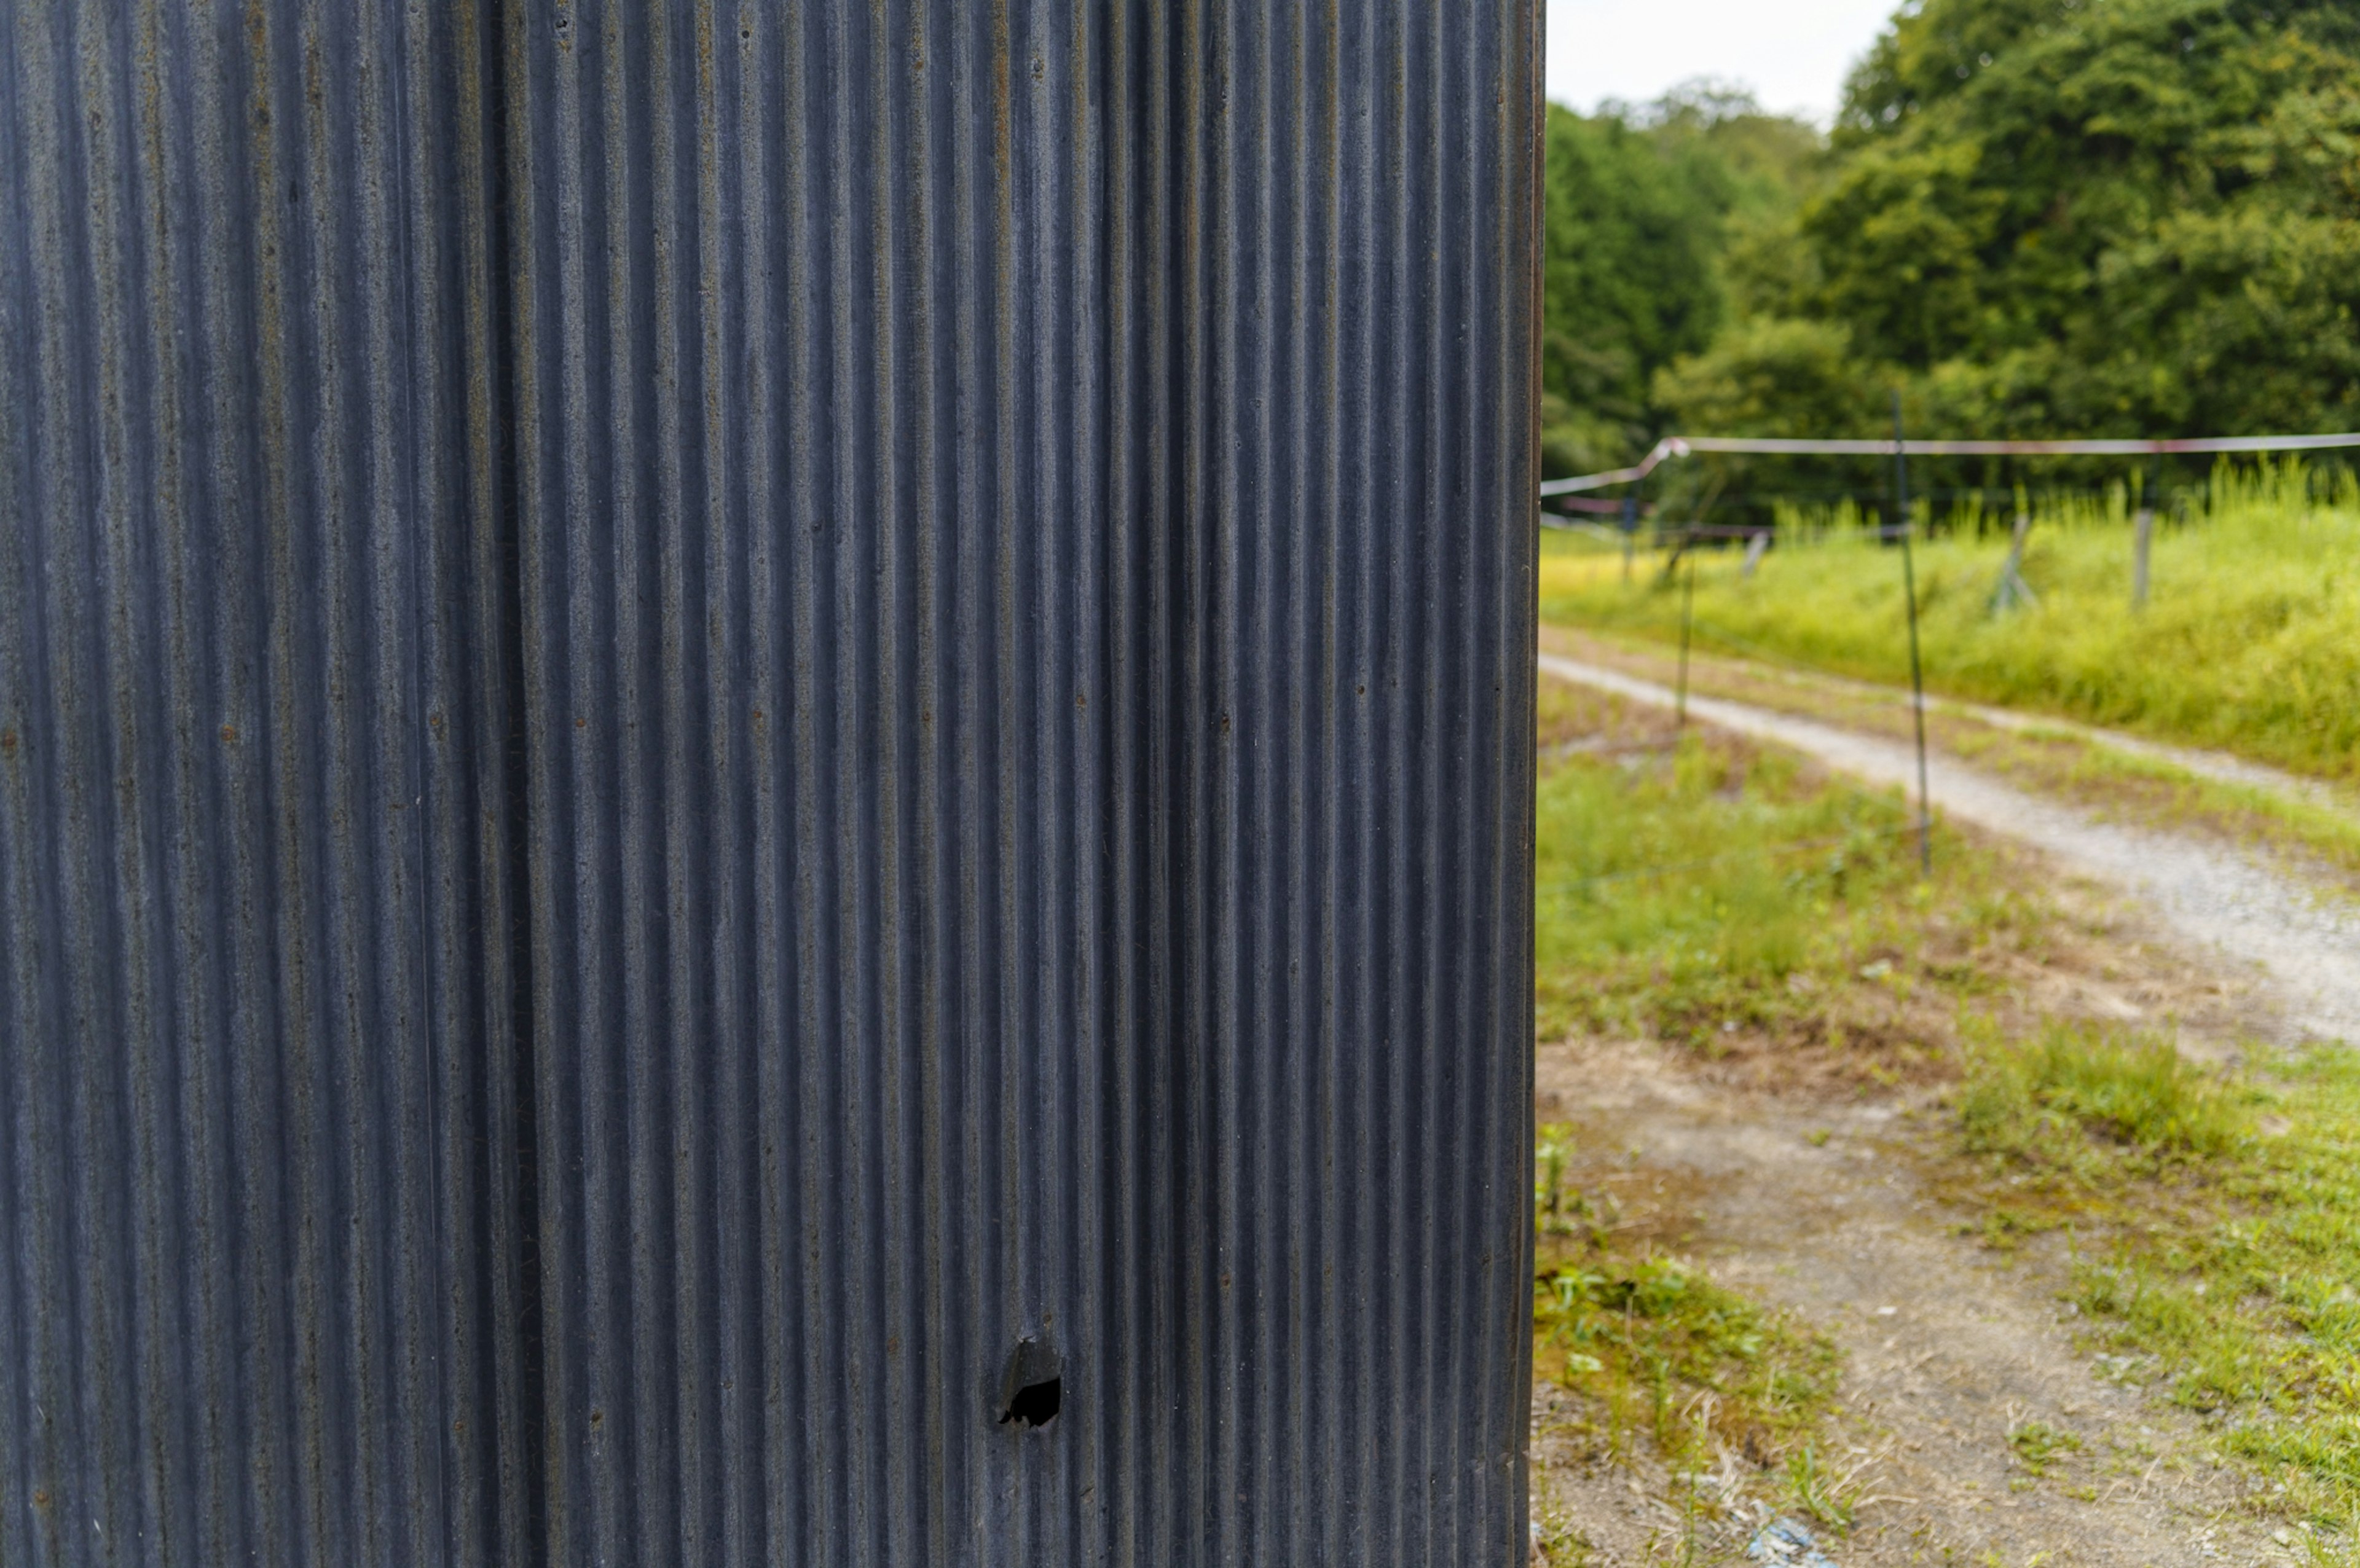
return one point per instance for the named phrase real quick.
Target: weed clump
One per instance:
(2076, 1093)
(2038, 1445)
(1666, 1354)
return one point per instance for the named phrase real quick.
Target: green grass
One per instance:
(2046, 1101)
(1707, 887)
(2038, 1445)
(2219, 1222)
(2250, 643)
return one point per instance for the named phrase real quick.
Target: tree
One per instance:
(2101, 216)
(1779, 378)
(1639, 204)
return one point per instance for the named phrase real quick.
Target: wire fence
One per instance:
(1811, 514)
(1899, 447)
(1672, 448)
(1570, 494)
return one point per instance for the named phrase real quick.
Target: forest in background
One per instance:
(2031, 217)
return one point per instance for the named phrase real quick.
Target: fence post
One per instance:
(2142, 537)
(1687, 617)
(1916, 677)
(1629, 532)
(2012, 591)
(1755, 548)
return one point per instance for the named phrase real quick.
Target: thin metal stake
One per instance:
(1688, 616)
(1916, 677)
(2142, 537)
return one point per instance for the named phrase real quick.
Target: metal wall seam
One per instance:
(249, 1004)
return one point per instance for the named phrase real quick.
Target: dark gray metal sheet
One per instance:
(253, 1239)
(1027, 605)
(705, 712)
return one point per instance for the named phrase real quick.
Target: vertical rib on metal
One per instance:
(1027, 604)
(707, 710)
(253, 1013)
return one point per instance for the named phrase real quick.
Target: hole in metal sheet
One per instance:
(1035, 1404)
(1035, 1385)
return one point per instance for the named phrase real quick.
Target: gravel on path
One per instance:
(2304, 939)
(2221, 766)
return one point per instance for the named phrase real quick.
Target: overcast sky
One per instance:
(1793, 53)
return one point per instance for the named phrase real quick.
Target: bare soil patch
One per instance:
(1974, 1425)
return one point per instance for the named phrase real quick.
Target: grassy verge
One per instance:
(2246, 644)
(2218, 1223)
(2116, 784)
(1696, 888)
(1661, 1355)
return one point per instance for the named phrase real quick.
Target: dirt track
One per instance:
(1950, 1348)
(1826, 1204)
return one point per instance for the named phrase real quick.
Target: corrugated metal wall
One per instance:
(253, 1019)
(709, 710)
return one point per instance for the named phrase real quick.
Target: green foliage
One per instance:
(1778, 376)
(1629, 237)
(1639, 204)
(2045, 217)
(2101, 217)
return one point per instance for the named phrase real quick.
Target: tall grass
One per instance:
(2250, 641)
